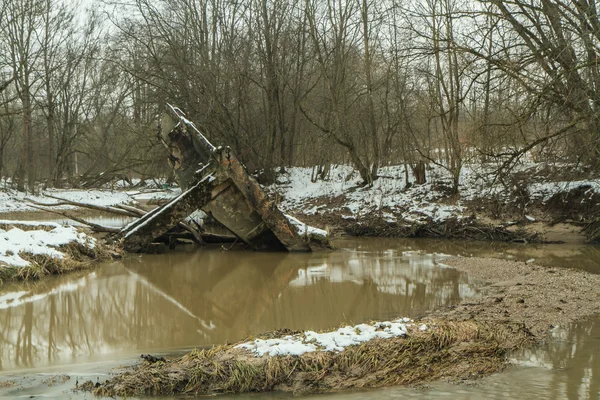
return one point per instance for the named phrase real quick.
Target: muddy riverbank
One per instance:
(519, 305)
(538, 298)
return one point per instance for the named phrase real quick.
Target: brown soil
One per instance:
(517, 293)
(557, 233)
(467, 228)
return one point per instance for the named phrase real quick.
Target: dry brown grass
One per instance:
(77, 257)
(447, 350)
(27, 227)
(8, 383)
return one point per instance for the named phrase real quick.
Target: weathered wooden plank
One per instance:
(215, 181)
(139, 234)
(189, 150)
(272, 218)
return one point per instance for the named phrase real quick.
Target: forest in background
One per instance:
(296, 83)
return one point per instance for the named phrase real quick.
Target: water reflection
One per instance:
(206, 296)
(574, 352)
(201, 297)
(580, 256)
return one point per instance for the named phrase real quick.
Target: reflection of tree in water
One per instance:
(247, 293)
(574, 356)
(101, 315)
(24, 345)
(385, 286)
(206, 297)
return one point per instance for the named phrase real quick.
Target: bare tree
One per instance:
(336, 36)
(448, 81)
(550, 50)
(20, 33)
(8, 125)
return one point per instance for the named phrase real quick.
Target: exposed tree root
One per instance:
(453, 228)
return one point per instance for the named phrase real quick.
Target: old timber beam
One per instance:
(140, 233)
(214, 180)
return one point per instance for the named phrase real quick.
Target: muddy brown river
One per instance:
(84, 325)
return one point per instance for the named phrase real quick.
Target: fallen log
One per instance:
(62, 202)
(95, 227)
(137, 211)
(195, 235)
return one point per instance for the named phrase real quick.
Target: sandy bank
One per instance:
(536, 297)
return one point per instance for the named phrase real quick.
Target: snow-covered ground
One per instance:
(15, 241)
(299, 192)
(342, 192)
(389, 198)
(334, 341)
(14, 201)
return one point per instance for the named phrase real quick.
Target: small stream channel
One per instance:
(85, 324)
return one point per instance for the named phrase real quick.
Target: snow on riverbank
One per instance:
(387, 193)
(390, 199)
(15, 241)
(14, 201)
(335, 341)
(307, 230)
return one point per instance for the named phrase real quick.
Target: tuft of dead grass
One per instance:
(26, 226)
(8, 383)
(465, 349)
(76, 257)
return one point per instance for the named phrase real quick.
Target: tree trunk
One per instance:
(363, 169)
(27, 166)
(50, 121)
(419, 173)
(372, 124)
(1, 161)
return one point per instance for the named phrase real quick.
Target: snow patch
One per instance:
(37, 241)
(335, 341)
(393, 199)
(17, 201)
(306, 230)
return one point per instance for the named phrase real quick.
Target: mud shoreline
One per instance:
(473, 227)
(536, 297)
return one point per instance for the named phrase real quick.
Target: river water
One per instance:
(85, 324)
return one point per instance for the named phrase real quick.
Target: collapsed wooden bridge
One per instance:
(212, 180)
